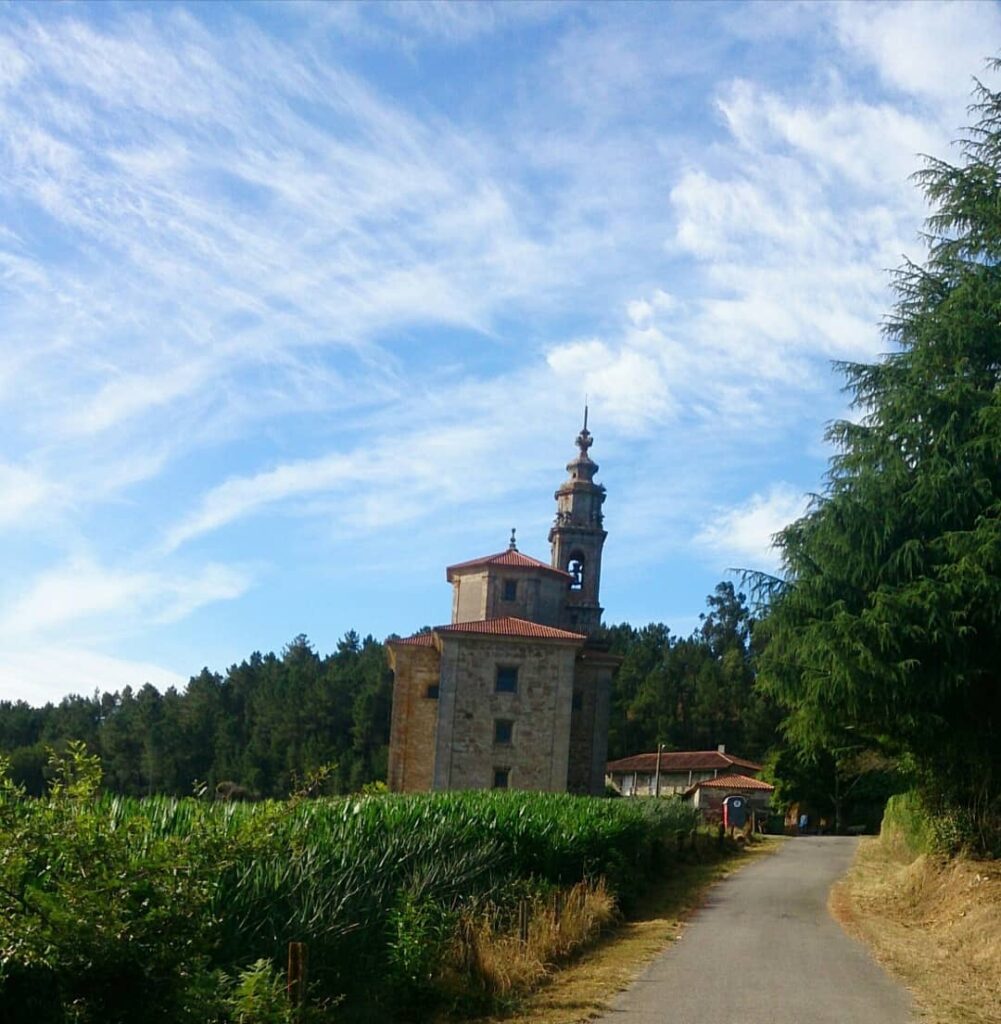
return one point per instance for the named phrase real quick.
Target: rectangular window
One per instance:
(578, 701)
(510, 590)
(507, 679)
(503, 731)
(502, 778)
(432, 692)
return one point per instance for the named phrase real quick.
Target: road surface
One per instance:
(765, 950)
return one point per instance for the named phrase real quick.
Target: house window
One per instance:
(578, 701)
(510, 590)
(432, 692)
(503, 731)
(507, 679)
(502, 777)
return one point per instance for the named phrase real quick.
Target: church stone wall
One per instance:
(538, 753)
(589, 723)
(413, 726)
(539, 597)
(469, 597)
(480, 595)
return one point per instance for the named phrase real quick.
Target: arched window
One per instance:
(576, 569)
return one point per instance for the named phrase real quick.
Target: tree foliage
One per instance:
(265, 724)
(887, 631)
(691, 693)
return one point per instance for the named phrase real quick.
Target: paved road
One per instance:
(765, 951)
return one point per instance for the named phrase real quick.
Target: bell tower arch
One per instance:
(577, 537)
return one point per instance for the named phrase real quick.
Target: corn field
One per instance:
(125, 909)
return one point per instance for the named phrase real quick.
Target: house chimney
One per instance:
(721, 748)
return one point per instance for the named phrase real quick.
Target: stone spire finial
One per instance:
(513, 545)
(584, 440)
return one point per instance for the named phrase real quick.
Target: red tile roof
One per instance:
(681, 761)
(510, 626)
(510, 560)
(733, 782)
(417, 640)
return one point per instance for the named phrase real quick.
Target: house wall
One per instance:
(538, 755)
(414, 721)
(671, 783)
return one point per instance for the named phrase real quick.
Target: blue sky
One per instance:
(300, 303)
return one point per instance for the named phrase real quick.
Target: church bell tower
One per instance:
(577, 537)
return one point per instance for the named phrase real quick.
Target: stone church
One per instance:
(514, 691)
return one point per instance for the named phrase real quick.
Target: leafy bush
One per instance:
(258, 996)
(927, 825)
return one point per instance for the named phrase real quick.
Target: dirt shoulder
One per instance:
(582, 990)
(933, 922)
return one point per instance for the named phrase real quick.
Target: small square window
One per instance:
(503, 731)
(578, 700)
(510, 590)
(507, 679)
(432, 692)
(502, 778)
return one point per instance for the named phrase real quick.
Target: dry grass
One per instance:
(582, 989)
(933, 922)
(494, 957)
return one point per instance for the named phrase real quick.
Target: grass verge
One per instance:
(582, 989)
(932, 921)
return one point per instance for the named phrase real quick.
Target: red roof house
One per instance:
(679, 770)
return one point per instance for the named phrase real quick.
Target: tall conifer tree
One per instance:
(887, 629)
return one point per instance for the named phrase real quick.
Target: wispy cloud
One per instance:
(22, 493)
(82, 590)
(927, 50)
(345, 280)
(745, 533)
(39, 676)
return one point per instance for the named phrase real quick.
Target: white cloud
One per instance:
(23, 493)
(242, 496)
(928, 49)
(627, 379)
(641, 312)
(797, 228)
(870, 144)
(83, 591)
(181, 595)
(131, 394)
(456, 23)
(48, 674)
(743, 534)
(434, 467)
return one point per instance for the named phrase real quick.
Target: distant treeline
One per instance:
(694, 692)
(267, 722)
(274, 718)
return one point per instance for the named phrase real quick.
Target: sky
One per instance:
(300, 303)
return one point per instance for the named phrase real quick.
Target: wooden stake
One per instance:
(296, 984)
(523, 921)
